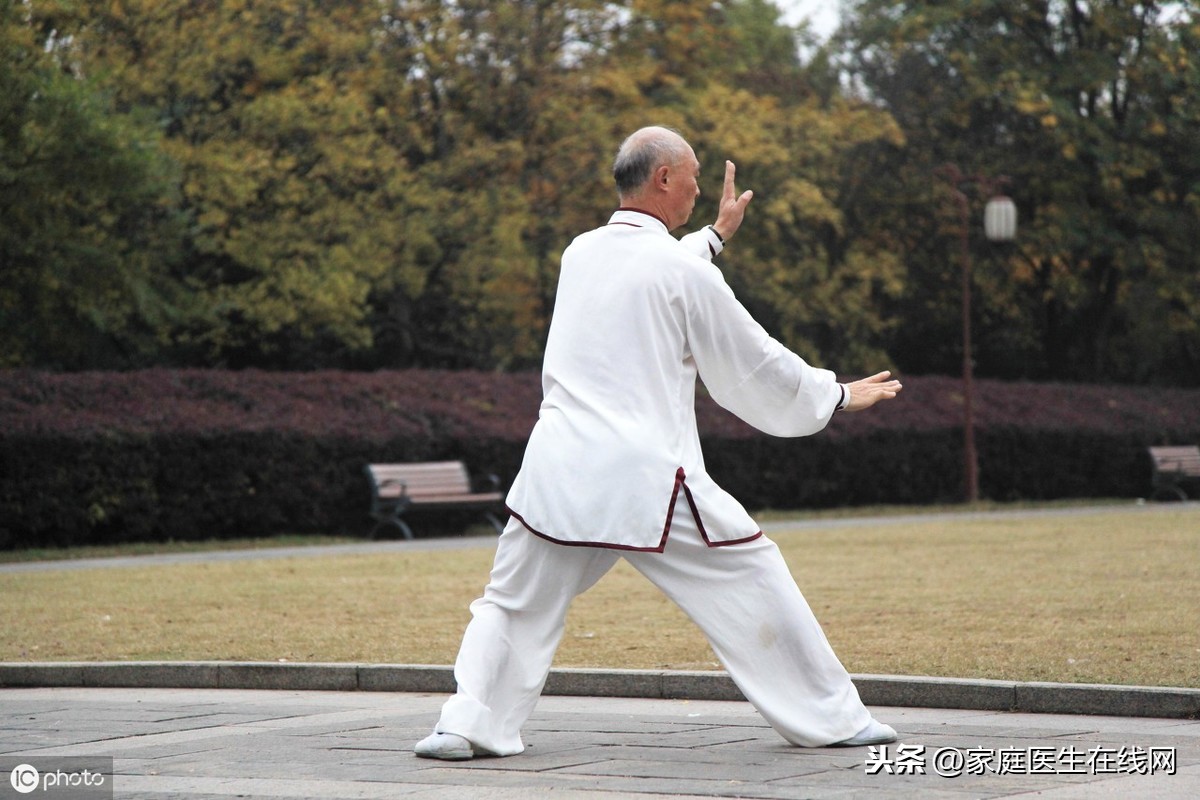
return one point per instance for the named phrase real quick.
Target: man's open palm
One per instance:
(869, 391)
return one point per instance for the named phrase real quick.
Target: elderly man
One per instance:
(613, 469)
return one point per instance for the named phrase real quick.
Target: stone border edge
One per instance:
(875, 690)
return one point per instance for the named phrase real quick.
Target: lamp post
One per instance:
(1000, 225)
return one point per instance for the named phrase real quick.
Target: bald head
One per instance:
(642, 153)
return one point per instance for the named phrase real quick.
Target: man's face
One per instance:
(683, 188)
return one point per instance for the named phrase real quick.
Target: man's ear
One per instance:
(660, 176)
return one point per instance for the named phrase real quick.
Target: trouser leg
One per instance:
(514, 631)
(747, 604)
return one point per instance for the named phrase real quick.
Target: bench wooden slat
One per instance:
(1175, 466)
(395, 488)
(442, 497)
(1188, 468)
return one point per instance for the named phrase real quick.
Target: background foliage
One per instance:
(92, 458)
(388, 183)
(1092, 109)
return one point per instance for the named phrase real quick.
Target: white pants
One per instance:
(742, 597)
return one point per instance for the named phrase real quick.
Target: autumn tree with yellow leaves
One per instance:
(298, 184)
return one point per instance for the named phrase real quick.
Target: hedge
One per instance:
(191, 454)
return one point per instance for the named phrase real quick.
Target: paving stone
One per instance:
(700, 686)
(408, 678)
(40, 674)
(301, 677)
(1128, 701)
(879, 690)
(605, 683)
(152, 675)
(223, 744)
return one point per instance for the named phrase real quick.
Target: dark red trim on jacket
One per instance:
(700, 525)
(679, 482)
(602, 545)
(680, 479)
(647, 213)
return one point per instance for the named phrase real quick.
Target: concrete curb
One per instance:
(875, 690)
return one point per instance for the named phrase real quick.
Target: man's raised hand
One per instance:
(733, 206)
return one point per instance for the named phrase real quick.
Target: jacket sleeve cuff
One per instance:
(715, 243)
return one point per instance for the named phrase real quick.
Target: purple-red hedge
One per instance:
(204, 453)
(504, 406)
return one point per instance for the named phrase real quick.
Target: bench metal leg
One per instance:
(1176, 493)
(399, 523)
(404, 529)
(496, 522)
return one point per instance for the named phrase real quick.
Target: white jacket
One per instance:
(638, 315)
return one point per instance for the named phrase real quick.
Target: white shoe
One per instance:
(875, 733)
(446, 746)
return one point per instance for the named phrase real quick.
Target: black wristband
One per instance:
(720, 238)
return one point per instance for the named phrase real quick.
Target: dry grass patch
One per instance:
(1104, 597)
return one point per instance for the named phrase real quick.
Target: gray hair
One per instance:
(643, 152)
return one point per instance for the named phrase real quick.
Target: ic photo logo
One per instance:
(24, 778)
(67, 778)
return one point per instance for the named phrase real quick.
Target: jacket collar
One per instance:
(637, 218)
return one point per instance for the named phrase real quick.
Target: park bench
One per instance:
(397, 489)
(1174, 468)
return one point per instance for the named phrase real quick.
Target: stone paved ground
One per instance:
(216, 743)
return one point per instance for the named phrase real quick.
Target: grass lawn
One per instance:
(1101, 596)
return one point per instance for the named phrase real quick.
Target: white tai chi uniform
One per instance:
(613, 469)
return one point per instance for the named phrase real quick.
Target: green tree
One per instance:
(392, 184)
(814, 271)
(814, 274)
(297, 200)
(376, 185)
(516, 125)
(523, 106)
(1091, 108)
(88, 222)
